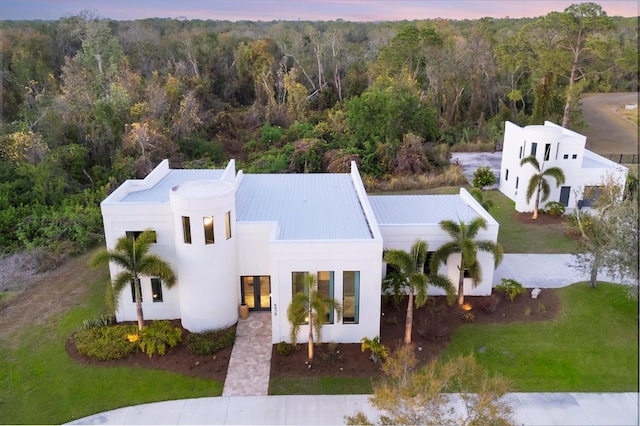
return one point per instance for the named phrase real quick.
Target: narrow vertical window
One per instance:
(520, 155)
(208, 229)
(506, 174)
(299, 282)
(325, 290)
(186, 229)
(517, 181)
(534, 148)
(351, 297)
(156, 289)
(227, 224)
(547, 151)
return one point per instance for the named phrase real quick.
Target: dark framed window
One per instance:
(325, 289)
(299, 283)
(506, 174)
(574, 156)
(208, 229)
(547, 151)
(517, 181)
(566, 156)
(520, 155)
(136, 234)
(427, 264)
(350, 297)
(534, 148)
(227, 224)
(186, 229)
(156, 289)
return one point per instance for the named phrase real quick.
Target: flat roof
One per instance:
(159, 193)
(420, 209)
(315, 206)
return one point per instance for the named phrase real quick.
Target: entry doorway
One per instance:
(256, 292)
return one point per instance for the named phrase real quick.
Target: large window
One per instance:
(325, 289)
(227, 224)
(534, 148)
(299, 282)
(350, 297)
(156, 289)
(136, 234)
(208, 229)
(186, 229)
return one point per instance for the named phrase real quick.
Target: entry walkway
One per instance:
(529, 409)
(250, 362)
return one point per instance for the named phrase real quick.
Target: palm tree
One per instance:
(310, 307)
(538, 184)
(482, 198)
(132, 256)
(411, 272)
(463, 242)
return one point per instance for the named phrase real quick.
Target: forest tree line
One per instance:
(89, 102)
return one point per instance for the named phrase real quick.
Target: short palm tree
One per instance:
(309, 307)
(411, 273)
(464, 242)
(133, 257)
(538, 184)
(482, 198)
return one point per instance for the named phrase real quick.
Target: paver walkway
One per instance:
(250, 363)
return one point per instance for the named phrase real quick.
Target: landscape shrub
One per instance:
(554, 208)
(155, 337)
(283, 348)
(99, 321)
(106, 343)
(511, 288)
(490, 304)
(211, 341)
(378, 350)
(468, 317)
(483, 176)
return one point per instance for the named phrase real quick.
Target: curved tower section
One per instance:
(204, 223)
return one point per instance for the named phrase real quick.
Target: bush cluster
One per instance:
(511, 288)
(283, 348)
(99, 321)
(155, 337)
(212, 341)
(106, 343)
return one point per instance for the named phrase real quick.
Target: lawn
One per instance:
(320, 386)
(41, 384)
(592, 346)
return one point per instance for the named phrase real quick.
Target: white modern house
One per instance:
(236, 238)
(553, 146)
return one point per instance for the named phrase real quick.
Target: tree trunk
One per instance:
(310, 339)
(409, 323)
(567, 105)
(139, 314)
(461, 282)
(593, 278)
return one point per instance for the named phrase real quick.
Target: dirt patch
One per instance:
(608, 131)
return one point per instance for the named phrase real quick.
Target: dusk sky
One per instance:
(315, 10)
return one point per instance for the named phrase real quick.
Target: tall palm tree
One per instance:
(411, 272)
(538, 184)
(464, 242)
(310, 307)
(132, 256)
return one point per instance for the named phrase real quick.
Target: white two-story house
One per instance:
(554, 146)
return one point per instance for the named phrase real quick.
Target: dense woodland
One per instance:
(89, 102)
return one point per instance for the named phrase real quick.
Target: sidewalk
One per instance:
(529, 409)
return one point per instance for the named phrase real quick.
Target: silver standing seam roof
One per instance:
(322, 206)
(159, 193)
(420, 209)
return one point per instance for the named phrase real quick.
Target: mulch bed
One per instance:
(432, 328)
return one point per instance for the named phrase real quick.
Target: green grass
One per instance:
(41, 384)
(518, 237)
(320, 386)
(592, 346)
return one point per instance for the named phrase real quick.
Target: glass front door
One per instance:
(256, 292)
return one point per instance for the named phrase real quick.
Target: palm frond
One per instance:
(450, 227)
(531, 160)
(532, 187)
(476, 225)
(556, 173)
(494, 248)
(443, 282)
(441, 255)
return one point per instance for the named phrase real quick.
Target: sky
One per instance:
(290, 10)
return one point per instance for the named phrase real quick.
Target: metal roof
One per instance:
(306, 206)
(420, 209)
(159, 193)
